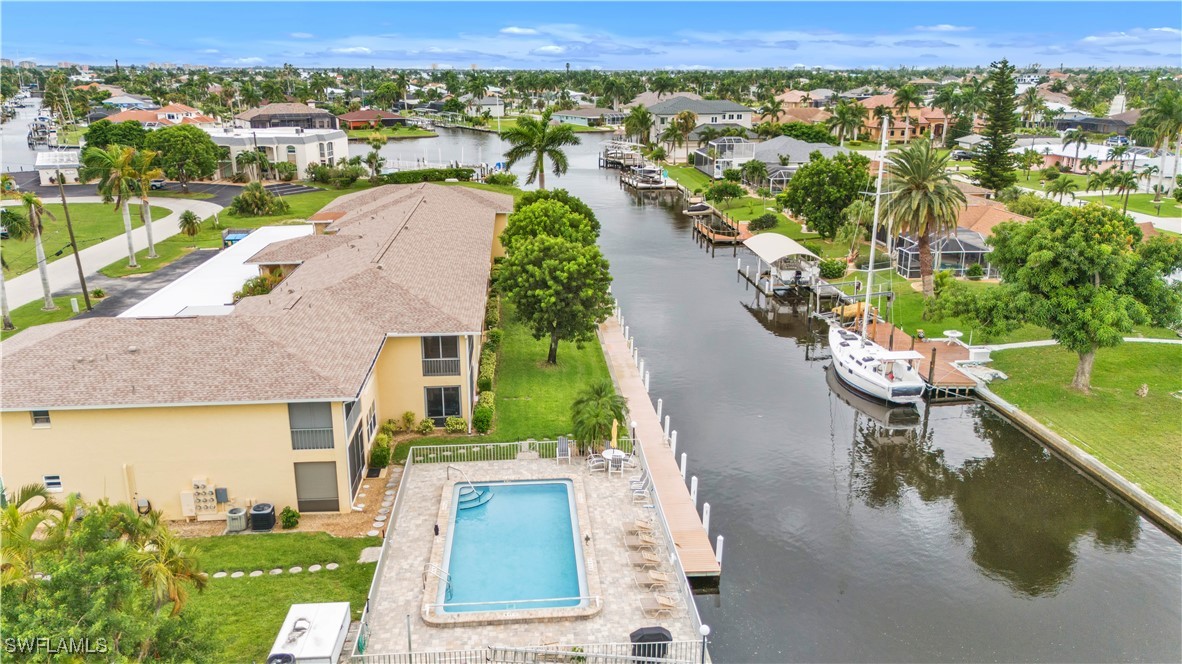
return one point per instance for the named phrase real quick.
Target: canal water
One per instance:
(957, 538)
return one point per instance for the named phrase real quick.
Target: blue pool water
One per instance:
(520, 545)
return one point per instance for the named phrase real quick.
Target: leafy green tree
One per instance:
(803, 131)
(562, 196)
(538, 139)
(1076, 272)
(547, 217)
(994, 162)
(559, 287)
(386, 95)
(186, 153)
(257, 201)
(723, 192)
(822, 189)
(104, 132)
(923, 200)
(1164, 117)
(594, 410)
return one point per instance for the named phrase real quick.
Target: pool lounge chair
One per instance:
(652, 580)
(640, 543)
(644, 559)
(659, 605)
(563, 451)
(596, 464)
(640, 527)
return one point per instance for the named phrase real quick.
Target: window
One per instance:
(41, 418)
(441, 356)
(311, 426)
(52, 483)
(442, 403)
(371, 420)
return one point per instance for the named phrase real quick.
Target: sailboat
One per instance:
(862, 364)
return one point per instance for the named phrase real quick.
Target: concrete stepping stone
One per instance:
(373, 533)
(331, 566)
(378, 524)
(237, 575)
(365, 486)
(257, 572)
(220, 575)
(370, 554)
(360, 506)
(390, 492)
(383, 510)
(295, 570)
(276, 571)
(379, 518)
(361, 494)
(314, 568)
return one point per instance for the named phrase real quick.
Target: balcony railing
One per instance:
(448, 366)
(311, 439)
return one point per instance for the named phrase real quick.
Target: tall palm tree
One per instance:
(1089, 163)
(144, 168)
(1079, 140)
(773, 108)
(707, 134)
(113, 169)
(847, 119)
(250, 159)
(18, 229)
(1164, 116)
(1100, 181)
(1061, 187)
(639, 123)
(1124, 182)
(947, 99)
(593, 412)
(686, 122)
(37, 211)
(671, 135)
(922, 200)
(539, 139)
(1029, 101)
(906, 98)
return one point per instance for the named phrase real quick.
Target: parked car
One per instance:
(1116, 140)
(961, 155)
(158, 183)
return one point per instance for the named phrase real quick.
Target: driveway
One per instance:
(126, 292)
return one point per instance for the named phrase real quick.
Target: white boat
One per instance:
(698, 209)
(863, 365)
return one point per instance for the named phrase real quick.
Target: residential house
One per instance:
(287, 114)
(1058, 155)
(807, 115)
(794, 99)
(173, 114)
(860, 93)
(822, 97)
(648, 98)
(495, 106)
(1029, 78)
(278, 399)
(783, 155)
(924, 121)
(708, 111)
(959, 251)
(128, 101)
(590, 116)
(373, 117)
(1111, 125)
(291, 144)
(51, 163)
(115, 90)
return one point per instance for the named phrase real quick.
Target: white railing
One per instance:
(514, 604)
(672, 652)
(445, 366)
(312, 439)
(477, 451)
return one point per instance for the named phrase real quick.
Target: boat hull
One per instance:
(908, 390)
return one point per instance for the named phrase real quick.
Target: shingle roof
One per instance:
(401, 259)
(698, 106)
(796, 150)
(369, 114)
(282, 108)
(648, 98)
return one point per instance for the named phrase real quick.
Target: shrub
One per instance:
(289, 518)
(488, 370)
(1178, 193)
(763, 222)
(286, 170)
(391, 427)
(880, 261)
(240, 178)
(813, 246)
(260, 285)
(495, 336)
(506, 179)
(379, 453)
(482, 418)
(455, 425)
(832, 268)
(492, 315)
(1029, 205)
(425, 426)
(975, 272)
(408, 420)
(1009, 194)
(732, 175)
(98, 293)
(430, 175)
(256, 201)
(1050, 173)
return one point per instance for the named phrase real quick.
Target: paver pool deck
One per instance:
(609, 506)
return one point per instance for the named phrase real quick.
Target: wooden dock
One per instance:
(690, 539)
(937, 367)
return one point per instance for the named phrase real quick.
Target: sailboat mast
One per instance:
(886, 121)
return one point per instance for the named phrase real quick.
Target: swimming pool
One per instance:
(520, 550)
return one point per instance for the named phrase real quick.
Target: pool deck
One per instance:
(608, 504)
(689, 535)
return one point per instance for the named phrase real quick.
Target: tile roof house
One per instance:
(287, 114)
(367, 118)
(648, 98)
(924, 121)
(173, 114)
(708, 111)
(278, 399)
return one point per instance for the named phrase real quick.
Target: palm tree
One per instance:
(36, 212)
(1029, 158)
(537, 138)
(144, 171)
(594, 411)
(672, 136)
(1117, 153)
(922, 200)
(907, 97)
(18, 229)
(772, 107)
(707, 134)
(1079, 140)
(167, 568)
(1124, 182)
(375, 161)
(766, 130)
(1061, 187)
(1088, 163)
(116, 180)
(1164, 116)
(189, 223)
(1100, 181)
(251, 159)
(639, 123)
(1029, 101)
(686, 122)
(755, 171)
(847, 119)
(24, 517)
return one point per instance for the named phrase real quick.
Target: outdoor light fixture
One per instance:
(704, 630)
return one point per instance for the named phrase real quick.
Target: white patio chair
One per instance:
(596, 464)
(563, 451)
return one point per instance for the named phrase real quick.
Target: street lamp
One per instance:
(704, 630)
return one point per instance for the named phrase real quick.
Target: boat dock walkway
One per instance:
(690, 539)
(938, 366)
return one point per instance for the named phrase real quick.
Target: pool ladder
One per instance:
(469, 496)
(436, 571)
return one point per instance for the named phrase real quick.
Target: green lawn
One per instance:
(533, 399)
(169, 250)
(1142, 203)
(93, 223)
(193, 195)
(29, 315)
(391, 132)
(689, 177)
(1141, 438)
(248, 612)
(507, 122)
(70, 135)
(1037, 183)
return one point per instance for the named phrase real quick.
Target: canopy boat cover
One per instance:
(771, 247)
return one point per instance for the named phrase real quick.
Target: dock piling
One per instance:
(646, 382)
(694, 490)
(706, 517)
(666, 427)
(671, 441)
(683, 458)
(932, 366)
(640, 367)
(718, 550)
(660, 405)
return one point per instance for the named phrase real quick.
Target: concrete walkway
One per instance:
(63, 273)
(1052, 342)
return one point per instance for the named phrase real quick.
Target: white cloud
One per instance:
(549, 50)
(301, 35)
(1135, 36)
(243, 61)
(351, 50)
(943, 27)
(209, 50)
(514, 30)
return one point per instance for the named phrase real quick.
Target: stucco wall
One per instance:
(400, 380)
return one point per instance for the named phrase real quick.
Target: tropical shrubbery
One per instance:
(506, 179)
(881, 261)
(482, 414)
(430, 175)
(832, 268)
(763, 222)
(289, 518)
(455, 425)
(256, 201)
(425, 426)
(379, 452)
(260, 285)
(337, 176)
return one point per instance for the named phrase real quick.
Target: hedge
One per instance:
(482, 414)
(430, 175)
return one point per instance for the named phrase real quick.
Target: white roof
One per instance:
(317, 642)
(209, 288)
(771, 247)
(891, 355)
(59, 159)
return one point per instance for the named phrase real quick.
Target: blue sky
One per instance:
(543, 35)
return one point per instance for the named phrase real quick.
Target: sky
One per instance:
(595, 35)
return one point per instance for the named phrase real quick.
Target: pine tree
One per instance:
(996, 165)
